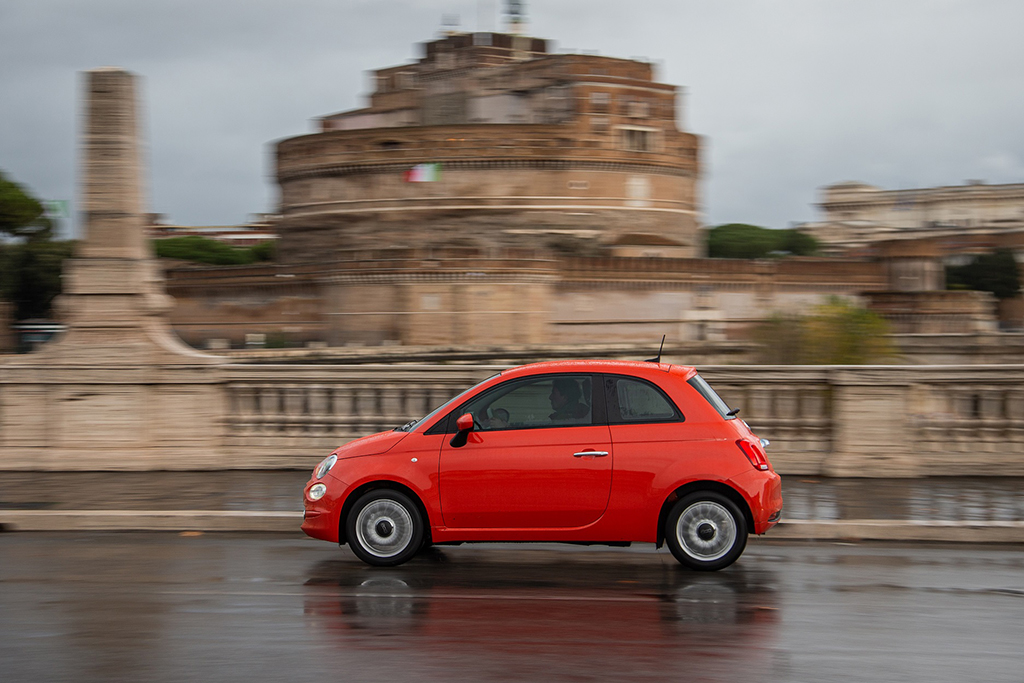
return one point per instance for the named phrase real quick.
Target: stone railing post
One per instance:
(872, 425)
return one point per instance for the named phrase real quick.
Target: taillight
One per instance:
(755, 454)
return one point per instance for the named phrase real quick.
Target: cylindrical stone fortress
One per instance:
(489, 140)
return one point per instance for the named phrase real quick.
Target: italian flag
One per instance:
(423, 173)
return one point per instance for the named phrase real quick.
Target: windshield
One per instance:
(413, 424)
(712, 397)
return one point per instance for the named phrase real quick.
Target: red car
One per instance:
(592, 452)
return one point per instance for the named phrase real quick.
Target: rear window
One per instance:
(709, 394)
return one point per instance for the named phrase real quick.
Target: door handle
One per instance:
(596, 454)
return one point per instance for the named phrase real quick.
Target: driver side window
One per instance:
(546, 401)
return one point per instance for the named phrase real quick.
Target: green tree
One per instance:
(21, 214)
(743, 241)
(835, 333)
(205, 250)
(30, 263)
(997, 272)
(798, 243)
(30, 275)
(739, 240)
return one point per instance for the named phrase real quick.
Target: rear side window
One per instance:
(635, 401)
(709, 394)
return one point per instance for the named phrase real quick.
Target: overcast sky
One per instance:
(788, 95)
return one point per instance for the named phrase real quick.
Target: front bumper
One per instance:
(321, 518)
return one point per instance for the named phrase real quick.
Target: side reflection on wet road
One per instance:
(264, 607)
(568, 614)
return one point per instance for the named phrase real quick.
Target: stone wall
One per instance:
(222, 307)
(634, 300)
(390, 297)
(502, 297)
(936, 312)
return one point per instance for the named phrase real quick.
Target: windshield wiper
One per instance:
(405, 427)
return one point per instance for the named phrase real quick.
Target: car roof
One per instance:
(626, 367)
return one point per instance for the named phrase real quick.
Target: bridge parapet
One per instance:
(860, 421)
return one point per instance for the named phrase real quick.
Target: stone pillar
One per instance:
(117, 390)
(872, 434)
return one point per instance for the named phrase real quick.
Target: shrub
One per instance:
(835, 333)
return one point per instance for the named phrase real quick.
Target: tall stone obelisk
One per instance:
(117, 390)
(113, 302)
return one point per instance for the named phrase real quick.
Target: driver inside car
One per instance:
(565, 400)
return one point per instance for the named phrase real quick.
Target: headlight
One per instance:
(325, 466)
(316, 491)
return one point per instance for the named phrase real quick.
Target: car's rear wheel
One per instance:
(384, 528)
(706, 531)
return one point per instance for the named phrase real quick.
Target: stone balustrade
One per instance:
(861, 421)
(791, 407)
(293, 416)
(844, 421)
(875, 421)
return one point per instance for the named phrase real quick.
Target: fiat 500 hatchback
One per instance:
(593, 452)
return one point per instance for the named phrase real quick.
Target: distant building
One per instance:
(491, 140)
(260, 229)
(857, 215)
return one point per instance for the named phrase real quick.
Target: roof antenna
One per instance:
(450, 24)
(515, 12)
(658, 359)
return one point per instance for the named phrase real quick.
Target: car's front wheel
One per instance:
(706, 531)
(384, 528)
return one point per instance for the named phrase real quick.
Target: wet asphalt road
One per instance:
(265, 607)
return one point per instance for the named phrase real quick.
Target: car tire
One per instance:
(706, 531)
(384, 528)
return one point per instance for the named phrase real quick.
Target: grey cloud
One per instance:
(789, 94)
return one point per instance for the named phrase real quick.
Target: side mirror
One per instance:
(465, 425)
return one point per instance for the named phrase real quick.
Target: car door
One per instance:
(539, 457)
(650, 435)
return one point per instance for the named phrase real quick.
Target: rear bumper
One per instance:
(770, 508)
(763, 491)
